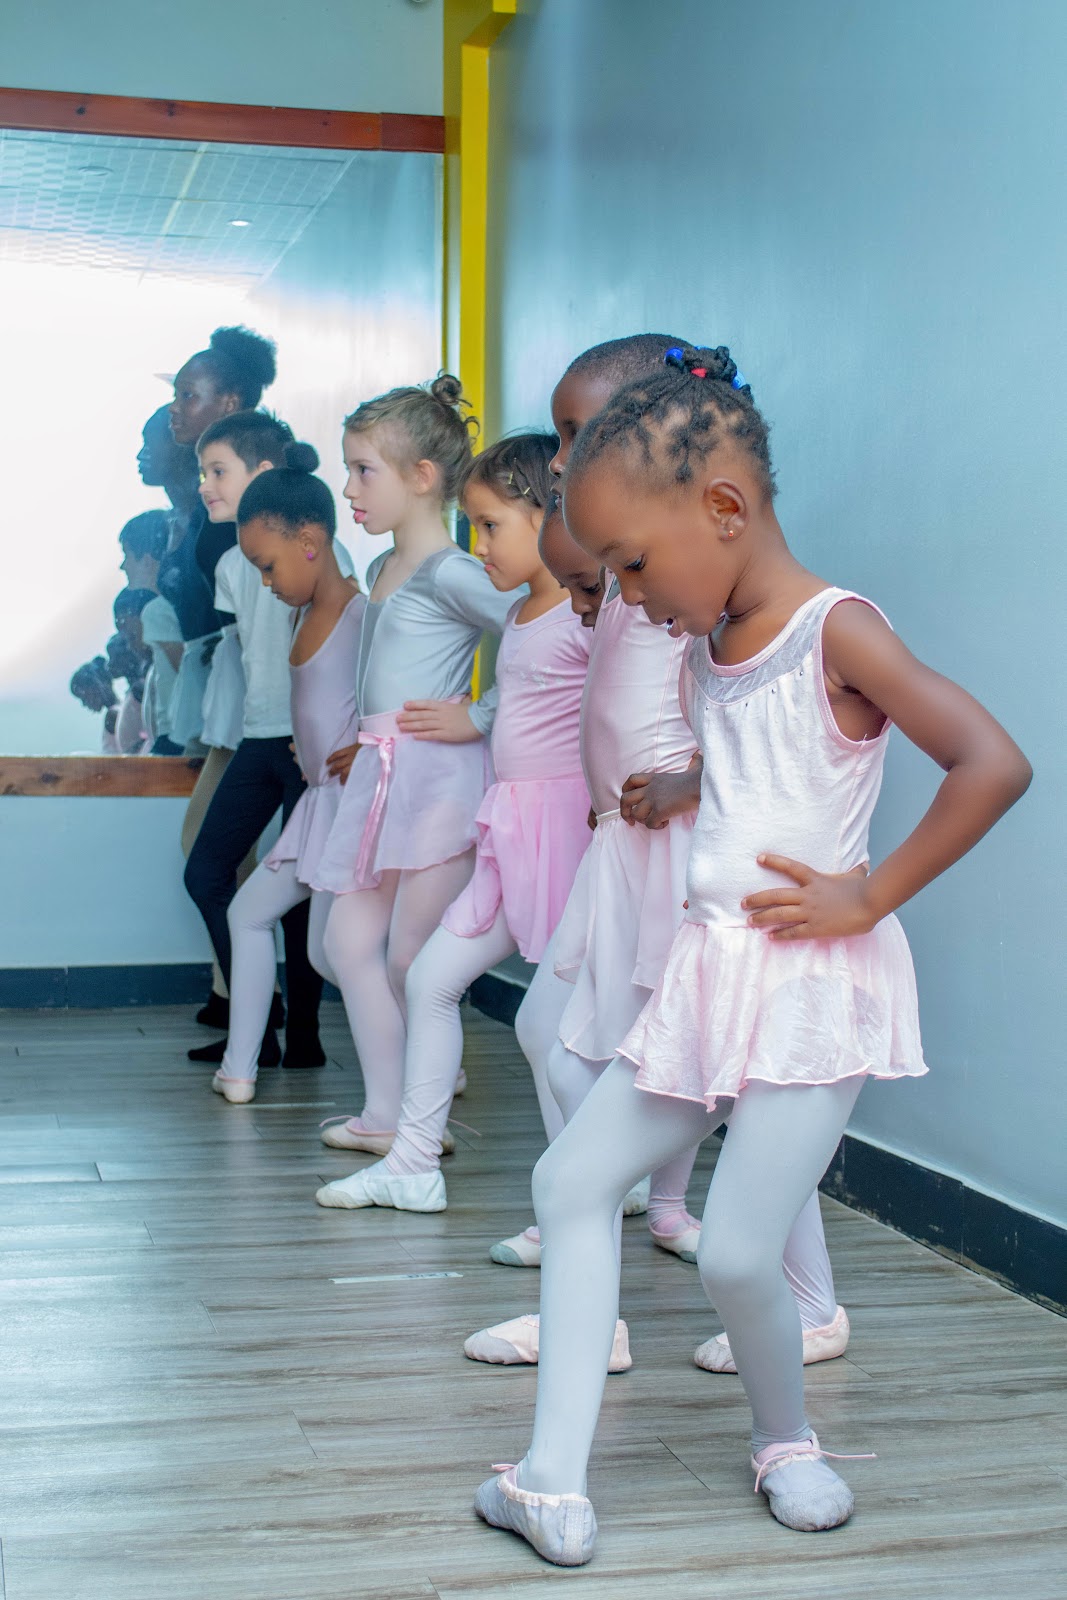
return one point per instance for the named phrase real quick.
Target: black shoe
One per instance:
(277, 1012)
(216, 1014)
(303, 1052)
(270, 1052)
(210, 1054)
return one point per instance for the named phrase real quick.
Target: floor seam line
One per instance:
(684, 1464)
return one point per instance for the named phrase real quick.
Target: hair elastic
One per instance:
(675, 357)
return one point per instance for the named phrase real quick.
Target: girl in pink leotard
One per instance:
(532, 824)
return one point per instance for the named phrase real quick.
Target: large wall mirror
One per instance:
(119, 255)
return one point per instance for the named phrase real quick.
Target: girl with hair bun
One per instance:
(789, 982)
(402, 847)
(532, 824)
(286, 524)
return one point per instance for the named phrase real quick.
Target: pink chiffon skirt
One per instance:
(408, 804)
(531, 837)
(618, 928)
(303, 839)
(734, 1006)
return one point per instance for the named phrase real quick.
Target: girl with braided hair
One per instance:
(789, 981)
(612, 943)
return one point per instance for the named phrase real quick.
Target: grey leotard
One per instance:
(419, 642)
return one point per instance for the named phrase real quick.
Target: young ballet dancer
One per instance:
(620, 921)
(286, 525)
(402, 846)
(532, 824)
(790, 981)
(261, 775)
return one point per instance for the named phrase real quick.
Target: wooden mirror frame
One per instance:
(48, 111)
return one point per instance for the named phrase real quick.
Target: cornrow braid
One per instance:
(695, 402)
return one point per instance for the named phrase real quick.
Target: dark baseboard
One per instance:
(1022, 1251)
(85, 988)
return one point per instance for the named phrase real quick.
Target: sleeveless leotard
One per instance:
(734, 1005)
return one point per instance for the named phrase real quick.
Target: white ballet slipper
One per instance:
(238, 1091)
(373, 1186)
(518, 1251)
(517, 1344)
(560, 1527)
(636, 1202)
(351, 1135)
(682, 1242)
(802, 1492)
(820, 1344)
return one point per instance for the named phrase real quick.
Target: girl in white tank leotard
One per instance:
(790, 982)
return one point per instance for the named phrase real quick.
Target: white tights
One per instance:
(253, 914)
(372, 937)
(437, 980)
(779, 1145)
(563, 1079)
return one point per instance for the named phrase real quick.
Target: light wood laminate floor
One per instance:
(193, 1408)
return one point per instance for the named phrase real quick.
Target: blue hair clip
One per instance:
(675, 356)
(739, 381)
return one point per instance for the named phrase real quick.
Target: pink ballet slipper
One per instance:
(349, 1134)
(560, 1527)
(374, 1186)
(820, 1344)
(681, 1237)
(517, 1344)
(522, 1250)
(238, 1091)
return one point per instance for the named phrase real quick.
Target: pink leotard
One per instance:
(532, 824)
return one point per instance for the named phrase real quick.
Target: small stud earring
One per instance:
(309, 555)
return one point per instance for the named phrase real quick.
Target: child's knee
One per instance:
(526, 1028)
(552, 1186)
(730, 1267)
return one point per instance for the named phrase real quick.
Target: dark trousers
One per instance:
(261, 777)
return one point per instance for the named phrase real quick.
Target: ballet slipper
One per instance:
(517, 1344)
(560, 1527)
(682, 1241)
(238, 1091)
(350, 1134)
(802, 1492)
(636, 1202)
(820, 1344)
(374, 1186)
(522, 1250)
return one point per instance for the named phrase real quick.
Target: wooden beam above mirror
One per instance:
(110, 777)
(51, 111)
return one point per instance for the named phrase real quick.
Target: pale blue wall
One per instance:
(341, 55)
(867, 202)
